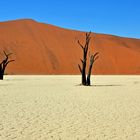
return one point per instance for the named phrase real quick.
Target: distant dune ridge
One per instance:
(40, 48)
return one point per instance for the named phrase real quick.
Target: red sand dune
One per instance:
(45, 49)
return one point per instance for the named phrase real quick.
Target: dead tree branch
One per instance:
(93, 58)
(84, 60)
(4, 64)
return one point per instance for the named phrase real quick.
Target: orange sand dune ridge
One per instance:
(40, 48)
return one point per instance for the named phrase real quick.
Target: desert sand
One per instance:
(57, 108)
(46, 49)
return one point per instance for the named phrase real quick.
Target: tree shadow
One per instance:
(109, 85)
(105, 85)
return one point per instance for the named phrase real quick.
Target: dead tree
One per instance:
(4, 63)
(84, 60)
(93, 58)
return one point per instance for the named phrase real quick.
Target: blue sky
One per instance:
(118, 17)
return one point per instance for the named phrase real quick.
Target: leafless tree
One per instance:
(93, 58)
(84, 60)
(4, 64)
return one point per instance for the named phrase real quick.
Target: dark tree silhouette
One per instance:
(84, 60)
(93, 58)
(4, 63)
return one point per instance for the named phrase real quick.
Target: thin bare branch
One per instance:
(82, 61)
(80, 68)
(7, 54)
(96, 58)
(95, 54)
(87, 43)
(80, 44)
(9, 61)
(88, 34)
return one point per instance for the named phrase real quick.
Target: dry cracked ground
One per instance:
(57, 108)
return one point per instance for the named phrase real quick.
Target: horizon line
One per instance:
(67, 28)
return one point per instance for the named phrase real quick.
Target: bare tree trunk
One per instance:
(83, 70)
(93, 58)
(1, 71)
(1, 76)
(84, 74)
(89, 71)
(3, 65)
(84, 60)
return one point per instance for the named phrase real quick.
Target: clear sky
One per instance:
(118, 17)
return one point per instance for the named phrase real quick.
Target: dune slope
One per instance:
(46, 49)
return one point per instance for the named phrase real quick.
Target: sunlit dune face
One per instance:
(45, 49)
